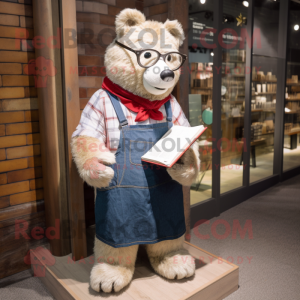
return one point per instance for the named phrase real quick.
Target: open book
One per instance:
(168, 150)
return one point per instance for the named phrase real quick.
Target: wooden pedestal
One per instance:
(214, 279)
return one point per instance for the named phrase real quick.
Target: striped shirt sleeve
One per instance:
(92, 121)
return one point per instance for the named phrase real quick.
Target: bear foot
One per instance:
(174, 266)
(109, 278)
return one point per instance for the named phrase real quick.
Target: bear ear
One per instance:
(175, 28)
(128, 18)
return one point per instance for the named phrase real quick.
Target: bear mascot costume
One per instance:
(136, 203)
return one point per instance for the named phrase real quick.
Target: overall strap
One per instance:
(118, 109)
(168, 111)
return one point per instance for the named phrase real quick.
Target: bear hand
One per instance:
(91, 158)
(187, 172)
(96, 174)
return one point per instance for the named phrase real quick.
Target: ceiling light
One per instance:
(202, 1)
(246, 3)
(296, 27)
(212, 54)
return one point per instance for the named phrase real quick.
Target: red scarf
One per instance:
(145, 108)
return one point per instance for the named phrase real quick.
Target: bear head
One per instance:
(124, 68)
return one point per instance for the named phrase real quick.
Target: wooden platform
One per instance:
(214, 279)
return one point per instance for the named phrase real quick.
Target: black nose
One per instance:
(167, 75)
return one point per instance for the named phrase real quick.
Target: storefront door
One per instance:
(237, 71)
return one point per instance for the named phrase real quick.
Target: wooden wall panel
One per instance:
(13, 248)
(51, 123)
(13, 261)
(16, 244)
(28, 212)
(72, 117)
(10, 214)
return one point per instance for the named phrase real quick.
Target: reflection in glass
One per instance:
(233, 94)
(201, 85)
(291, 151)
(264, 89)
(263, 106)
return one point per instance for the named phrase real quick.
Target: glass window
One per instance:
(291, 151)
(234, 50)
(263, 106)
(264, 88)
(201, 88)
(266, 27)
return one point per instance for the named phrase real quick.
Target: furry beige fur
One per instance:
(187, 172)
(96, 173)
(113, 268)
(127, 19)
(170, 260)
(175, 28)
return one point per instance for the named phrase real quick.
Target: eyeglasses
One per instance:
(149, 57)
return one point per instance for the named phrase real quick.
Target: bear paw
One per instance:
(92, 162)
(186, 172)
(96, 174)
(174, 267)
(109, 278)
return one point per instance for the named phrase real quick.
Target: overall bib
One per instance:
(142, 204)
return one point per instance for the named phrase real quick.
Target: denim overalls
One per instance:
(142, 204)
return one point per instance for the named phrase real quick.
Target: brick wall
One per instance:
(21, 187)
(156, 10)
(96, 16)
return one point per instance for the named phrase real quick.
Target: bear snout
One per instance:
(167, 75)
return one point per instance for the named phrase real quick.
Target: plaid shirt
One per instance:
(99, 119)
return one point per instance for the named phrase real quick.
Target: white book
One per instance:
(168, 150)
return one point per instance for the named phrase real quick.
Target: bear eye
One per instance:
(36, 68)
(169, 58)
(44, 68)
(147, 55)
